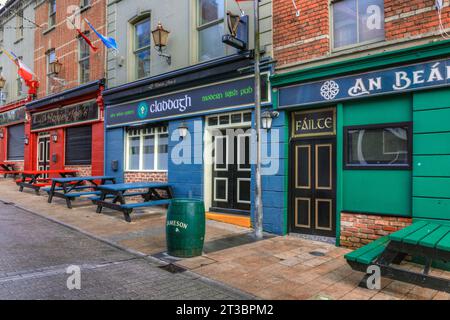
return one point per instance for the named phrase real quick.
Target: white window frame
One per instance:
(19, 25)
(201, 27)
(82, 60)
(357, 43)
(141, 133)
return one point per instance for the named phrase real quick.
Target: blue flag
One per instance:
(109, 42)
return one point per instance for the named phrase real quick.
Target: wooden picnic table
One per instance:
(75, 187)
(33, 178)
(149, 191)
(426, 240)
(8, 169)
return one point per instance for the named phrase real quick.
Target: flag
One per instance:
(88, 41)
(109, 42)
(24, 72)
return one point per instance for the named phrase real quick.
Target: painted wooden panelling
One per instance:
(434, 99)
(432, 143)
(431, 208)
(431, 166)
(432, 121)
(431, 187)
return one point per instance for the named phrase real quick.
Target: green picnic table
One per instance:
(427, 240)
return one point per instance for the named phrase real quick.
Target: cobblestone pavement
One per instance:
(35, 253)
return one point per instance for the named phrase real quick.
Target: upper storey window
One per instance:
(210, 29)
(357, 22)
(142, 47)
(52, 13)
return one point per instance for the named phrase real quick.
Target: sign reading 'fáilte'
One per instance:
(314, 123)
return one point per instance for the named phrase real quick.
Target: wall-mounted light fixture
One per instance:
(161, 38)
(55, 137)
(55, 66)
(2, 81)
(267, 119)
(2, 135)
(183, 130)
(26, 140)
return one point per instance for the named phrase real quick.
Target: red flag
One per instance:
(94, 48)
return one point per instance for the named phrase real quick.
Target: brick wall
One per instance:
(131, 177)
(83, 171)
(65, 42)
(299, 39)
(360, 229)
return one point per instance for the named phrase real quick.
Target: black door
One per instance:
(313, 187)
(43, 152)
(231, 172)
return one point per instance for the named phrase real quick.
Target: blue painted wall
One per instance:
(114, 150)
(185, 161)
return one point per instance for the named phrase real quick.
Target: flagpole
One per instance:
(258, 195)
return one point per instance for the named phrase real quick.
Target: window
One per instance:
(19, 25)
(16, 136)
(83, 60)
(52, 13)
(357, 22)
(79, 145)
(378, 146)
(51, 57)
(210, 29)
(147, 149)
(142, 45)
(19, 86)
(85, 3)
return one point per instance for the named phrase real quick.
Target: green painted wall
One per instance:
(377, 191)
(431, 154)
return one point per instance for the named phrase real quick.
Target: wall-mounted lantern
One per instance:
(55, 67)
(2, 135)
(267, 119)
(55, 137)
(2, 81)
(183, 130)
(26, 140)
(161, 38)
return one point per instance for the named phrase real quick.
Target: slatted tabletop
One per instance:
(131, 186)
(78, 179)
(423, 233)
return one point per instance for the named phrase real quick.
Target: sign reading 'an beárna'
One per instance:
(12, 116)
(314, 123)
(65, 116)
(395, 80)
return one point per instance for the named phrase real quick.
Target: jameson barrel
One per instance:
(185, 228)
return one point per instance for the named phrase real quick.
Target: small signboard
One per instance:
(12, 116)
(65, 116)
(314, 123)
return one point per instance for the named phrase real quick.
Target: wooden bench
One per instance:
(427, 240)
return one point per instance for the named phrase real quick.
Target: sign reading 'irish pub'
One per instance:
(401, 79)
(216, 96)
(65, 115)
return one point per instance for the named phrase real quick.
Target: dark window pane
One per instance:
(248, 117)
(378, 147)
(79, 145)
(212, 121)
(236, 118)
(224, 119)
(16, 135)
(211, 10)
(142, 34)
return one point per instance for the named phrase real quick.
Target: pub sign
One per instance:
(314, 123)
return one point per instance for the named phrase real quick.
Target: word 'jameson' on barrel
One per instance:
(169, 104)
(185, 228)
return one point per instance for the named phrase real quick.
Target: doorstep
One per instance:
(237, 220)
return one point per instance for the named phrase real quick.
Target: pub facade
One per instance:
(366, 122)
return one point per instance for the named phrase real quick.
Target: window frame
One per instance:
(141, 134)
(200, 27)
(409, 128)
(49, 74)
(85, 4)
(135, 50)
(19, 25)
(51, 14)
(81, 60)
(356, 44)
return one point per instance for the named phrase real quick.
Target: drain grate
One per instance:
(172, 268)
(317, 253)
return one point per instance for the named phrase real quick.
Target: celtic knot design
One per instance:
(329, 90)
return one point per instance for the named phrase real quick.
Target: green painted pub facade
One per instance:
(368, 145)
